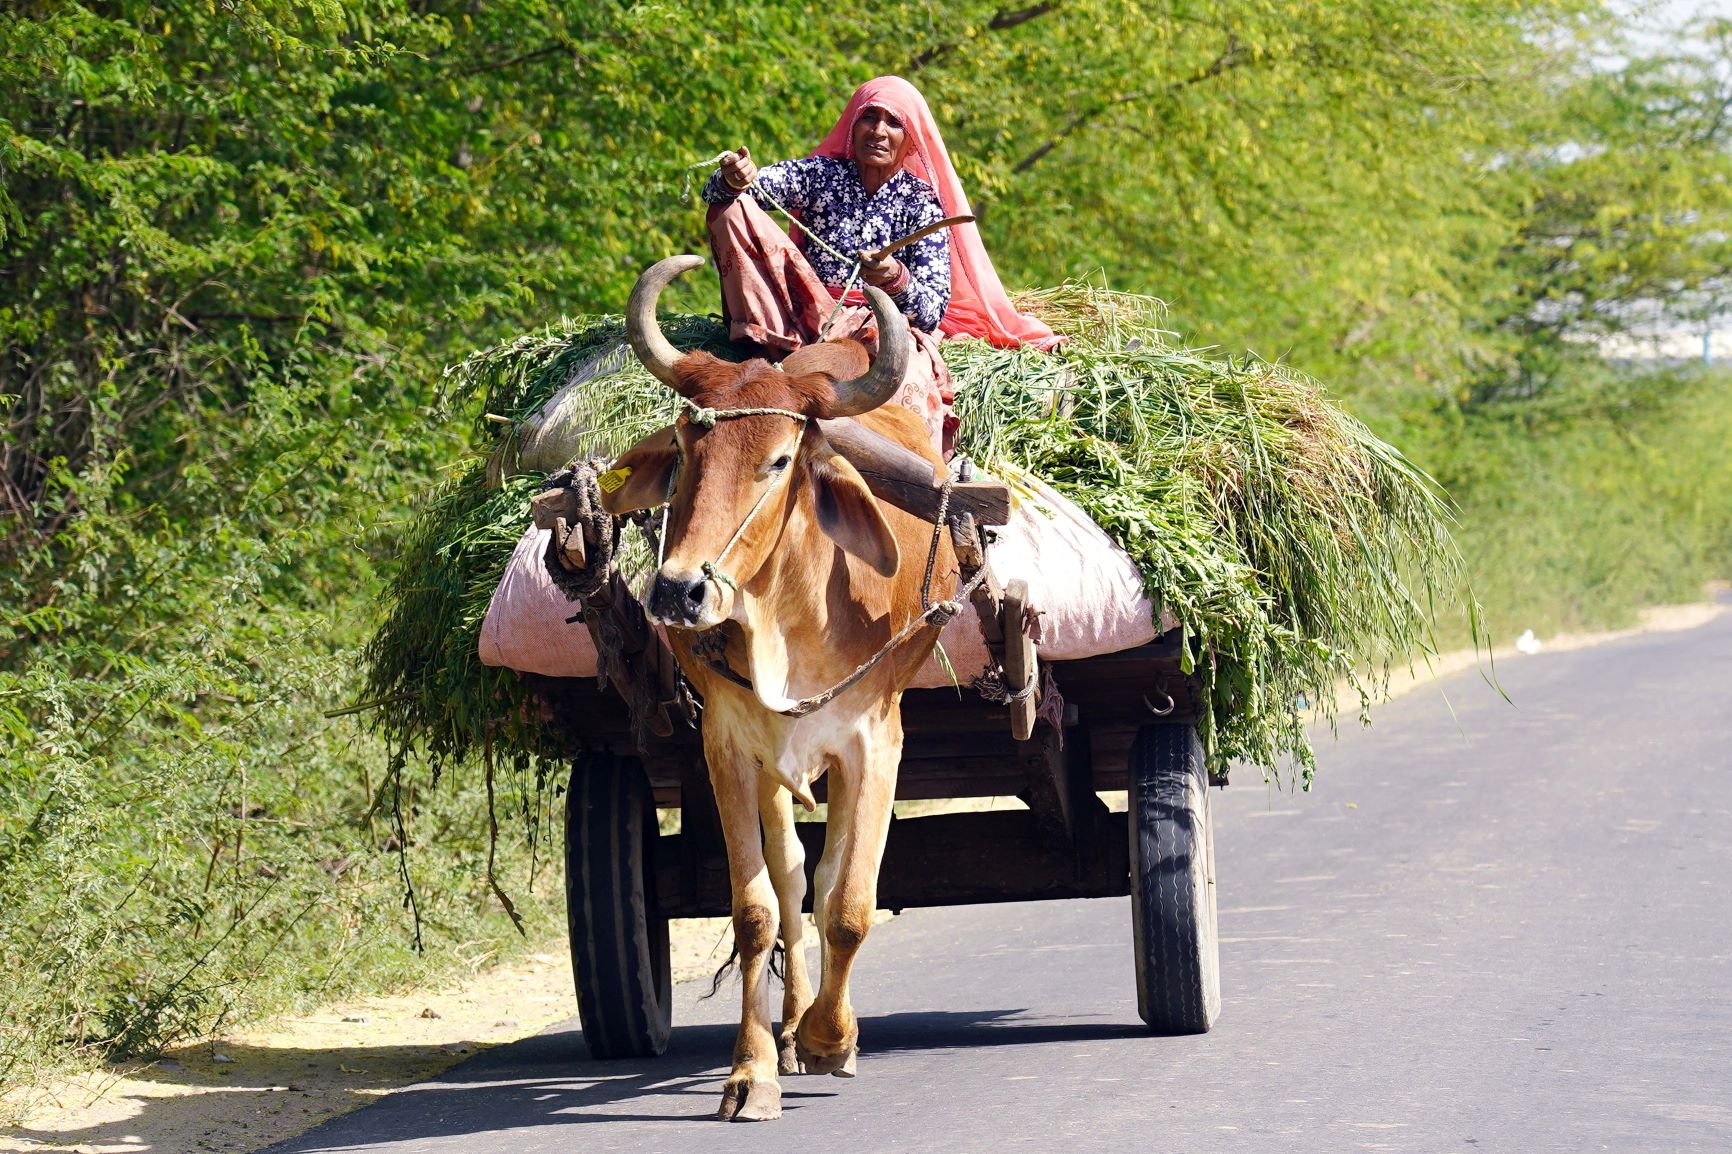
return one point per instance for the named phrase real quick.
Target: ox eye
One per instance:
(780, 463)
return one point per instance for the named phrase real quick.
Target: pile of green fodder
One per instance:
(431, 694)
(1297, 551)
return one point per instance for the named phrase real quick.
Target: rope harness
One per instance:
(598, 526)
(707, 418)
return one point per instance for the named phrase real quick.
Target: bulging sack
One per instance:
(1087, 590)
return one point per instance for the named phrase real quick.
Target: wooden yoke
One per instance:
(908, 481)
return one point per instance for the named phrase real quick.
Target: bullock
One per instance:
(781, 576)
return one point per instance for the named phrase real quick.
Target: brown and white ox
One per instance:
(774, 541)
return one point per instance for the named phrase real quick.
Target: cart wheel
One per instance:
(1173, 882)
(619, 945)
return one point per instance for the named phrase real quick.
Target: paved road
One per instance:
(1509, 930)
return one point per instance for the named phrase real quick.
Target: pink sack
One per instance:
(1088, 591)
(525, 627)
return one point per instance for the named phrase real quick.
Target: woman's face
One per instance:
(879, 141)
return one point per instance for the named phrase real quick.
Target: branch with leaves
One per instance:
(1234, 55)
(1002, 21)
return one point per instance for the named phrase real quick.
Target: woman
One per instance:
(881, 174)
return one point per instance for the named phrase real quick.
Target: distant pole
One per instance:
(1707, 349)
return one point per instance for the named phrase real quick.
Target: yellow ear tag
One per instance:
(611, 480)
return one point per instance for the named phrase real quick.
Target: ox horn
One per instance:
(867, 392)
(641, 329)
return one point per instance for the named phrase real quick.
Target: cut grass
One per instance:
(1294, 547)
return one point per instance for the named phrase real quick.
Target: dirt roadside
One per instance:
(249, 1088)
(252, 1087)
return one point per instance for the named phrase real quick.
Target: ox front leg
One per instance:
(827, 1041)
(752, 1093)
(786, 858)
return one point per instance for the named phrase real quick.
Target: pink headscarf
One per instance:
(978, 304)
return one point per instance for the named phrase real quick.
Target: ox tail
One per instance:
(778, 965)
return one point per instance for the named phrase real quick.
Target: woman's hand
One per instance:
(738, 171)
(887, 274)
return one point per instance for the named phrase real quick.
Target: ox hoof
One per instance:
(747, 1101)
(788, 1056)
(840, 1065)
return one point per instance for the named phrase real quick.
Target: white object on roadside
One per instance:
(1528, 643)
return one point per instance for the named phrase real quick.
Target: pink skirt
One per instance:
(771, 297)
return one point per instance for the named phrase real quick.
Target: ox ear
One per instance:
(849, 514)
(638, 478)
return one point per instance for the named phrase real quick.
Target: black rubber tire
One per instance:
(619, 945)
(1173, 882)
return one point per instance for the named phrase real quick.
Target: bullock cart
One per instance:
(1121, 722)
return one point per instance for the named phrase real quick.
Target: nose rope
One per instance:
(667, 508)
(713, 569)
(706, 418)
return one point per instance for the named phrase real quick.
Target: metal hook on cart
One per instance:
(1171, 705)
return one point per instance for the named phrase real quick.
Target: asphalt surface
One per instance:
(1507, 929)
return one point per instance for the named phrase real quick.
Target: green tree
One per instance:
(1618, 200)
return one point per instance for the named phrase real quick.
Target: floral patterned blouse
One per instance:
(830, 200)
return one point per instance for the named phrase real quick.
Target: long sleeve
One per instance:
(927, 294)
(833, 204)
(789, 181)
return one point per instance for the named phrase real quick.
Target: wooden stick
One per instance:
(869, 257)
(909, 481)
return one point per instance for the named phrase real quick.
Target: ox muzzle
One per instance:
(687, 599)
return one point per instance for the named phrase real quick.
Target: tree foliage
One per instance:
(1620, 203)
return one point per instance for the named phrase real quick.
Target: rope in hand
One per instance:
(854, 262)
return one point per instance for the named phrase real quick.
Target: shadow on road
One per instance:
(968, 1029)
(551, 1080)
